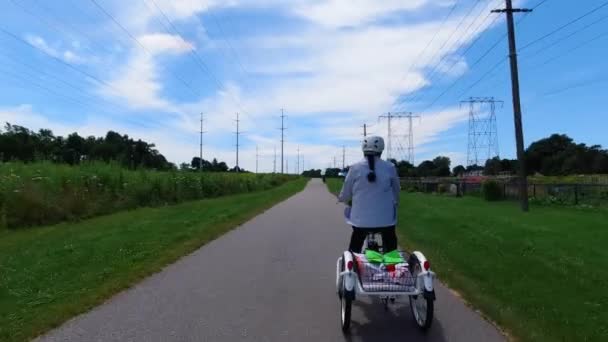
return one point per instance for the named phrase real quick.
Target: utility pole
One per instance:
(364, 130)
(274, 163)
(298, 167)
(519, 133)
(287, 165)
(282, 136)
(343, 157)
(200, 163)
(256, 158)
(389, 116)
(334, 162)
(238, 133)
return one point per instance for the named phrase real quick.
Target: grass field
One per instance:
(542, 275)
(52, 273)
(334, 184)
(44, 193)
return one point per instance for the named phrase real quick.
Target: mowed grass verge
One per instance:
(334, 184)
(542, 275)
(52, 273)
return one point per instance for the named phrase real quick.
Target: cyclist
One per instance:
(373, 187)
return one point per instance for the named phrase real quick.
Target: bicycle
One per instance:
(356, 276)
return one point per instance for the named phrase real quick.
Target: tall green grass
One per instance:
(46, 193)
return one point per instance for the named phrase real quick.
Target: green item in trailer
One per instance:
(393, 257)
(390, 258)
(373, 256)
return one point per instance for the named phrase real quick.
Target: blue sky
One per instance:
(332, 65)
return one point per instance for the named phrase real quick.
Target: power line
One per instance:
(419, 95)
(440, 50)
(415, 61)
(562, 39)
(111, 17)
(578, 46)
(537, 40)
(539, 4)
(199, 61)
(455, 44)
(196, 56)
(69, 65)
(229, 44)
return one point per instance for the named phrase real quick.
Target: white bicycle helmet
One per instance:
(373, 145)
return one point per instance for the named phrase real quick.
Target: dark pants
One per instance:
(389, 238)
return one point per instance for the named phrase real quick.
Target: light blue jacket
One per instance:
(374, 204)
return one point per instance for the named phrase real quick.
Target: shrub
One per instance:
(45, 193)
(492, 190)
(443, 188)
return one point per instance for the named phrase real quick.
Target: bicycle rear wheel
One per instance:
(422, 310)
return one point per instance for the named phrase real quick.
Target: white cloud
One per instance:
(340, 13)
(66, 55)
(138, 82)
(157, 43)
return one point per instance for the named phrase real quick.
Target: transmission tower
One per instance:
(410, 137)
(389, 116)
(274, 163)
(483, 130)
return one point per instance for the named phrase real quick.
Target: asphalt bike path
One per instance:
(271, 279)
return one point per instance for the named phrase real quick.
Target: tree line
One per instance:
(556, 155)
(18, 143)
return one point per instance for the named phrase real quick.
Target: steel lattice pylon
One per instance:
(483, 130)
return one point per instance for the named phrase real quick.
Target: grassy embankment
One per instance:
(49, 274)
(46, 193)
(541, 275)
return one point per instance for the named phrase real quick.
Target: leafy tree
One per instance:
(442, 166)
(19, 143)
(312, 173)
(560, 155)
(459, 170)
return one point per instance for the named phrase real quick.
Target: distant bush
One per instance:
(45, 193)
(492, 190)
(443, 188)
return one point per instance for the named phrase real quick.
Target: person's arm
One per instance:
(346, 194)
(396, 184)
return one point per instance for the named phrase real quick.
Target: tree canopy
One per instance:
(560, 155)
(20, 143)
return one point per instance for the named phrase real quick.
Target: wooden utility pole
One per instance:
(282, 137)
(238, 133)
(519, 134)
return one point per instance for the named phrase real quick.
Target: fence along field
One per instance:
(568, 190)
(46, 193)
